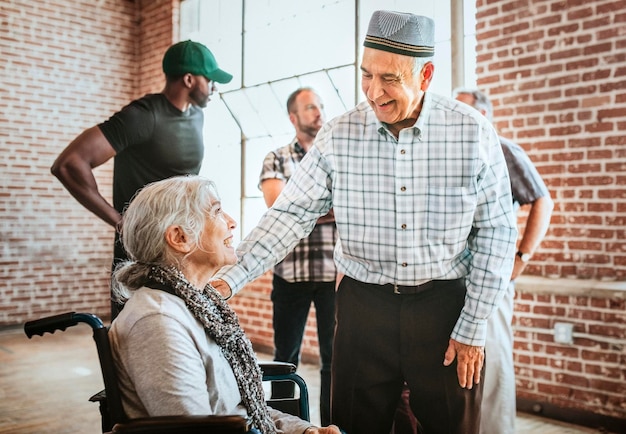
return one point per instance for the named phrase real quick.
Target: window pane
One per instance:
(282, 89)
(217, 24)
(321, 82)
(245, 113)
(287, 45)
(258, 111)
(222, 155)
(285, 38)
(253, 209)
(344, 80)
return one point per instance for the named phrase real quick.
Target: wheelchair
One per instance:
(115, 421)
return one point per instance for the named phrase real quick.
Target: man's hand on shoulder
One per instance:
(222, 287)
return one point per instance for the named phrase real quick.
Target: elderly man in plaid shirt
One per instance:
(422, 201)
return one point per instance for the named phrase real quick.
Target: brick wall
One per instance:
(556, 71)
(65, 67)
(254, 308)
(586, 376)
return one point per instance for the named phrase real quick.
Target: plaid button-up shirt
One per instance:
(312, 259)
(433, 204)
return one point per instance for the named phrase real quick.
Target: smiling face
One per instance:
(392, 89)
(206, 246)
(215, 245)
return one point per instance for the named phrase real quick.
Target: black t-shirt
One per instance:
(154, 141)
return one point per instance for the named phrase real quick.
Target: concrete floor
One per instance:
(525, 423)
(45, 384)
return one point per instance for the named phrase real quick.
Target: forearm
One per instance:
(291, 218)
(74, 168)
(492, 249)
(83, 187)
(266, 245)
(537, 224)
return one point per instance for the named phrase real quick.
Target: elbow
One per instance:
(60, 169)
(57, 169)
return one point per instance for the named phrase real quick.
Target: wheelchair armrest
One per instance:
(187, 424)
(99, 397)
(277, 368)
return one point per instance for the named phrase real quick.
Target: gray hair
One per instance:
(419, 63)
(185, 201)
(481, 101)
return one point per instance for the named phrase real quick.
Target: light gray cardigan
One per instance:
(167, 365)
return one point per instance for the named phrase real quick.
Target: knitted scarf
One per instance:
(222, 325)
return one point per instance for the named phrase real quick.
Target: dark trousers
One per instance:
(383, 340)
(119, 256)
(292, 302)
(404, 421)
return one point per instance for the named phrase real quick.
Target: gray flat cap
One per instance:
(401, 33)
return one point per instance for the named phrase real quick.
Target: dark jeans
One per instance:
(383, 340)
(292, 302)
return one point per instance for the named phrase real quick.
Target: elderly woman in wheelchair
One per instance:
(178, 347)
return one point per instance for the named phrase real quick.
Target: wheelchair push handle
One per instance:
(62, 321)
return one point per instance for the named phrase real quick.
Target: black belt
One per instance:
(408, 290)
(392, 288)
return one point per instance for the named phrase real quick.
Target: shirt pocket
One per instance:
(449, 219)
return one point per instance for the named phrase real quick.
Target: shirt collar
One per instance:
(421, 119)
(297, 147)
(427, 103)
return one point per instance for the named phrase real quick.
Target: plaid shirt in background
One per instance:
(312, 259)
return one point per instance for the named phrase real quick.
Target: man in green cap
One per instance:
(152, 138)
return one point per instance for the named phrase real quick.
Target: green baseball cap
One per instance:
(193, 58)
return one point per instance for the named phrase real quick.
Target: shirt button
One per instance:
(402, 188)
(404, 264)
(403, 152)
(403, 226)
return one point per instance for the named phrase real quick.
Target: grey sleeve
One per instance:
(166, 368)
(526, 184)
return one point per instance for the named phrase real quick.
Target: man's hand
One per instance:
(222, 287)
(330, 429)
(469, 362)
(518, 267)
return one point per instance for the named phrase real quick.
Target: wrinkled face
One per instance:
(308, 116)
(201, 91)
(215, 246)
(392, 90)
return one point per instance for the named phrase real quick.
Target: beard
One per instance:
(310, 129)
(198, 98)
